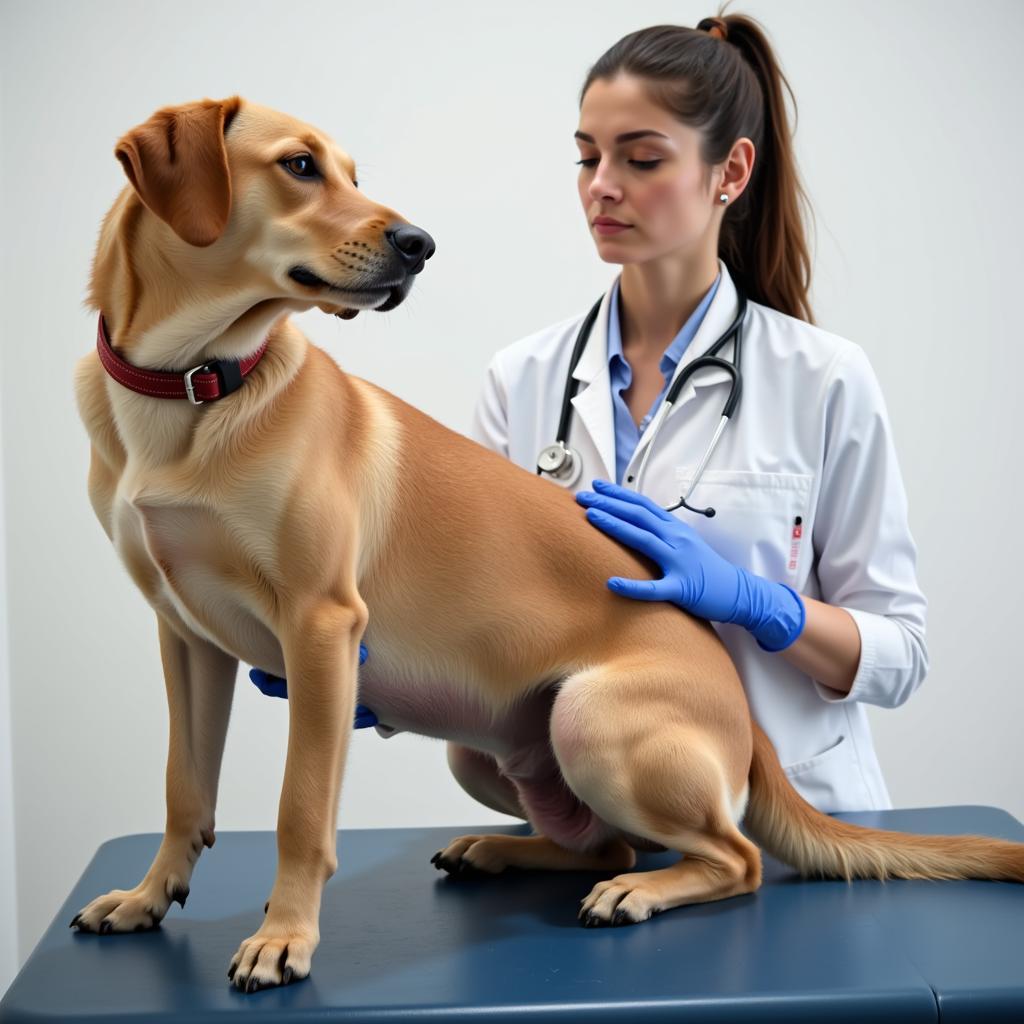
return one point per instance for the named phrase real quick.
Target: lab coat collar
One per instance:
(593, 404)
(717, 318)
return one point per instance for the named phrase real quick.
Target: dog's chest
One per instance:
(187, 563)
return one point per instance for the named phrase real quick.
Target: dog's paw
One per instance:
(470, 856)
(618, 901)
(273, 956)
(130, 910)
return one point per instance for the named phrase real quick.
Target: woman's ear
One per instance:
(177, 162)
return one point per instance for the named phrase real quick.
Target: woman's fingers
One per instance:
(633, 536)
(606, 487)
(628, 511)
(665, 589)
(269, 685)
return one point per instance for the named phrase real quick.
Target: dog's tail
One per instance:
(793, 831)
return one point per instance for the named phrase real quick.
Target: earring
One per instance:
(723, 198)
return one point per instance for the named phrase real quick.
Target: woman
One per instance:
(807, 570)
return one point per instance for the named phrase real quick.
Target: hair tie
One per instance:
(715, 27)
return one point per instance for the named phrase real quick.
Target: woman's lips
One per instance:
(610, 229)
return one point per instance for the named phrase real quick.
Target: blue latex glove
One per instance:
(696, 578)
(277, 686)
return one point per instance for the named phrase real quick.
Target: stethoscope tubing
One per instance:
(710, 359)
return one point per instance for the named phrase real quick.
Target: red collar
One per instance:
(219, 377)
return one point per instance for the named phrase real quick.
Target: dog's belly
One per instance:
(408, 698)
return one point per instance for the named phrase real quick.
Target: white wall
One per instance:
(9, 959)
(460, 115)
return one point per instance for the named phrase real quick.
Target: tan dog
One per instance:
(277, 525)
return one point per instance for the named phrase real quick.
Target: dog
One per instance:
(306, 510)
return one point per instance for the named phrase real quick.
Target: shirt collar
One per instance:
(679, 342)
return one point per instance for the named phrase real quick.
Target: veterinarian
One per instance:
(807, 568)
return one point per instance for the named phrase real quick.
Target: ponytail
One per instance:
(722, 79)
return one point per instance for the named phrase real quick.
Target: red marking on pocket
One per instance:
(794, 546)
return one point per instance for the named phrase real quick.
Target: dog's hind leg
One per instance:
(200, 681)
(637, 756)
(537, 793)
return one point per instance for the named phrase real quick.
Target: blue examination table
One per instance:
(403, 942)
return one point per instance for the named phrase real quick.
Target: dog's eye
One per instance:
(301, 166)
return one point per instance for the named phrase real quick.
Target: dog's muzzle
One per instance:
(410, 247)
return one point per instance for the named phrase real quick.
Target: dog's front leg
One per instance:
(200, 681)
(321, 654)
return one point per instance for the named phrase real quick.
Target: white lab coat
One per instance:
(810, 439)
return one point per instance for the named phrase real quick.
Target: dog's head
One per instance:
(269, 202)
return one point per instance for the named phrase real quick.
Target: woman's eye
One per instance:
(301, 166)
(644, 165)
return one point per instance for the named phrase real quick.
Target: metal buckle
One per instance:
(189, 389)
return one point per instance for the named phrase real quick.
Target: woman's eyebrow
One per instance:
(624, 137)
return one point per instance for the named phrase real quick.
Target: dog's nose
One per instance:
(412, 244)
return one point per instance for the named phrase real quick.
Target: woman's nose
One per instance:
(603, 186)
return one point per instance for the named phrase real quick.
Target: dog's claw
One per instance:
(287, 975)
(75, 920)
(460, 868)
(179, 895)
(105, 926)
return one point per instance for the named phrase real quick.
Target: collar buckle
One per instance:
(190, 392)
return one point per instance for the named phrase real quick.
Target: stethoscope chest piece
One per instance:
(561, 463)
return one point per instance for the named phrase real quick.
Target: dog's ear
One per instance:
(177, 162)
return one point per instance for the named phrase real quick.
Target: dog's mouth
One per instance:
(376, 296)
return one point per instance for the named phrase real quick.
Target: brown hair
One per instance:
(722, 78)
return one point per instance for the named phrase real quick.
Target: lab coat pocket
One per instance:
(829, 779)
(761, 519)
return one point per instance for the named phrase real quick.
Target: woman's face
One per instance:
(653, 183)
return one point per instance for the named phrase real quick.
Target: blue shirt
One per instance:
(627, 433)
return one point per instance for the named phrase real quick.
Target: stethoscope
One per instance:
(564, 465)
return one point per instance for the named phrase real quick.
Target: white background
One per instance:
(460, 116)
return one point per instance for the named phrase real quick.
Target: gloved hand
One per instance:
(696, 578)
(277, 686)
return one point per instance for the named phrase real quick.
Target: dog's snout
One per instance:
(413, 245)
